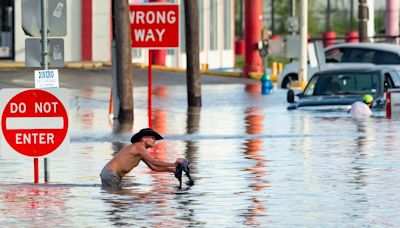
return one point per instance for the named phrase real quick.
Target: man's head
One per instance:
(145, 132)
(368, 99)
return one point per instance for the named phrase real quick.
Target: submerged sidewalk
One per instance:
(95, 65)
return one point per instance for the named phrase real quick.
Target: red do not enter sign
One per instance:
(34, 122)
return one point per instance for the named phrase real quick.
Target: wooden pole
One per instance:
(193, 77)
(123, 40)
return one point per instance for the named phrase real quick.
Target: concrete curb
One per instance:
(96, 65)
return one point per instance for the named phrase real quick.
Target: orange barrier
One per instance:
(111, 107)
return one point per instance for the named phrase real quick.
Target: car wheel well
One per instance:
(288, 79)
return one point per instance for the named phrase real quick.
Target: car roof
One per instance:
(347, 69)
(376, 46)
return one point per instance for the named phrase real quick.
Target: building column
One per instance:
(252, 34)
(86, 33)
(392, 20)
(159, 55)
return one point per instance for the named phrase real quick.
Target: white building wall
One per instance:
(101, 32)
(72, 41)
(19, 35)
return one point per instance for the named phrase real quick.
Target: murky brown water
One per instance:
(254, 164)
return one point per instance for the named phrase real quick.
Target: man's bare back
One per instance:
(130, 156)
(125, 160)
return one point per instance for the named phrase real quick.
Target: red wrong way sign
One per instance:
(154, 25)
(34, 122)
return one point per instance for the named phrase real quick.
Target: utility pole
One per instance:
(351, 15)
(362, 20)
(193, 77)
(328, 17)
(273, 17)
(123, 43)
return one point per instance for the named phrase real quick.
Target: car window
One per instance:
(357, 55)
(388, 58)
(334, 55)
(388, 83)
(343, 83)
(395, 78)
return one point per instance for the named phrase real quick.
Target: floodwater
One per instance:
(254, 163)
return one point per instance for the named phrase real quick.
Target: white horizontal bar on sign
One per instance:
(26, 123)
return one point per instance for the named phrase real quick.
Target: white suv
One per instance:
(376, 53)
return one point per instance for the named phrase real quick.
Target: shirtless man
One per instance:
(130, 156)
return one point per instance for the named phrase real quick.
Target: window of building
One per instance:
(227, 24)
(213, 24)
(6, 29)
(136, 53)
(201, 24)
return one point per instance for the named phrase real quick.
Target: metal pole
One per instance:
(351, 15)
(303, 42)
(362, 20)
(114, 88)
(273, 17)
(293, 12)
(150, 81)
(328, 17)
(45, 62)
(293, 8)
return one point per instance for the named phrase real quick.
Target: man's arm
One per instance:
(157, 165)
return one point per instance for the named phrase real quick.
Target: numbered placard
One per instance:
(46, 79)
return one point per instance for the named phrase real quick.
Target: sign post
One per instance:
(42, 25)
(154, 26)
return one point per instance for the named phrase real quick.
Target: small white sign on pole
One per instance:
(46, 79)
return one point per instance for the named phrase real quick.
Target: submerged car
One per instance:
(382, 54)
(341, 87)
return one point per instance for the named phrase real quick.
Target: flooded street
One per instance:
(254, 164)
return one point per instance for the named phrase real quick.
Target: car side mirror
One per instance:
(380, 102)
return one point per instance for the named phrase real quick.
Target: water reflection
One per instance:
(135, 207)
(33, 205)
(192, 127)
(254, 119)
(361, 154)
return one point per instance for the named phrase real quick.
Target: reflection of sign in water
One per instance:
(33, 206)
(34, 122)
